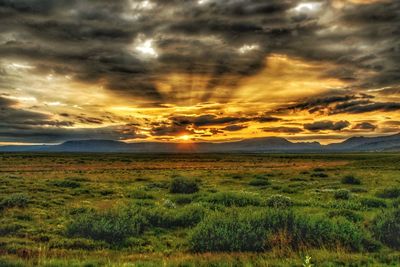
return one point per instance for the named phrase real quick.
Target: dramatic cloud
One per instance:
(365, 126)
(283, 129)
(234, 128)
(210, 69)
(326, 125)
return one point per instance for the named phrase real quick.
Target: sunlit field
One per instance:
(199, 210)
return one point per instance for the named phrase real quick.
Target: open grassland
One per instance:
(199, 210)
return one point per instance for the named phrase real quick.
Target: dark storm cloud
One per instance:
(234, 128)
(264, 119)
(363, 107)
(93, 41)
(207, 120)
(326, 125)
(173, 130)
(57, 134)
(14, 117)
(351, 104)
(210, 119)
(365, 126)
(282, 129)
(320, 104)
(19, 125)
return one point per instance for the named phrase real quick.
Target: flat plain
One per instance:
(199, 209)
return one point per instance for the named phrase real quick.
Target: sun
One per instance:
(185, 137)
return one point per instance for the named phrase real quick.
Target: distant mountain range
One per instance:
(254, 145)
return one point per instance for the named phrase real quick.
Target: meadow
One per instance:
(199, 209)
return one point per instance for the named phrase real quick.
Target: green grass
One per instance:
(199, 210)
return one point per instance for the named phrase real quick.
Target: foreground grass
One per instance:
(199, 210)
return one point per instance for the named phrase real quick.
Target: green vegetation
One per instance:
(112, 226)
(262, 230)
(183, 186)
(14, 200)
(392, 192)
(342, 194)
(199, 210)
(279, 202)
(350, 179)
(386, 228)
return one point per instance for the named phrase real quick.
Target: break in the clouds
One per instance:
(217, 70)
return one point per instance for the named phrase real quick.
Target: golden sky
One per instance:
(200, 71)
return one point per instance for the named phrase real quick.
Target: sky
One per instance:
(201, 70)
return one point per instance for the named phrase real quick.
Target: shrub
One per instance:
(139, 194)
(65, 183)
(112, 226)
(347, 214)
(393, 192)
(259, 182)
(182, 199)
(257, 231)
(11, 262)
(233, 231)
(373, 203)
(173, 218)
(320, 175)
(239, 199)
(14, 200)
(106, 192)
(386, 228)
(76, 243)
(289, 190)
(350, 179)
(10, 228)
(183, 186)
(279, 202)
(342, 194)
(396, 203)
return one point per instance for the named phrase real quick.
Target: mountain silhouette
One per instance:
(253, 145)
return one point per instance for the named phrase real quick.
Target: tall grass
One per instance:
(258, 231)
(386, 228)
(112, 226)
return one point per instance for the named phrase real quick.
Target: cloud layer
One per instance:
(185, 67)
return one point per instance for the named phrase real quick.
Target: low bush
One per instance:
(65, 183)
(106, 192)
(182, 199)
(10, 228)
(77, 243)
(258, 231)
(173, 218)
(350, 179)
(181, 185)
(11, 262)
(279, 202)
(386, 228)
(373, 203)
(140, 194)
(393, 192)
(232, 231)
(347, 214)
(238, 199)
(262, 182)
(14, 200)
(320, 175)
(289, 190)
(111, 226)
(343, 194)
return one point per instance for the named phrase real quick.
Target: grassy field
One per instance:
(199, 210)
